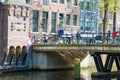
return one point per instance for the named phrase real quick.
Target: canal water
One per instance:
(51, 75)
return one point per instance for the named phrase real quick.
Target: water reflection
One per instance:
(38, 75)
(52, 75)
(107, 78)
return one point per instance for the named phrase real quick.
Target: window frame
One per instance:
(35, 20)
(67, 20)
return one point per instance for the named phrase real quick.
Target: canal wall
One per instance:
(48, 60)
(53, 60)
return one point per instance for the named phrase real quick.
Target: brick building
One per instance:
(50, 16)
(14, 24)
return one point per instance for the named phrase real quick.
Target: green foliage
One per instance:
(112, 4)
(65, 45)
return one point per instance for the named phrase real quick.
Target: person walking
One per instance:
(78, 36)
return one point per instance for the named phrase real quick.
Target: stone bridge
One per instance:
(62, 56)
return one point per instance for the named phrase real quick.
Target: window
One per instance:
(45, 2)
(82, 5)
(94, 24)
(14, 12)
(35, 21)
(75, 20)
(60, 20)
(110, 15)
(100, 14)
(99, 28)
(94, 7)
(68, 19)
(26, 14)
(87, 24)
(82, 23)
(55, 1)
(27, 1)
(61, 1)
(21, 12)
(44, 21)
(53, 22)
(75, 3)
(35, 0)
(88, 6)
(109, 27)
(68, 4)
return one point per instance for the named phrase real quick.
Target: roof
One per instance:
(16, 2)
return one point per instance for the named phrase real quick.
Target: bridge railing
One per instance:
(86, 38)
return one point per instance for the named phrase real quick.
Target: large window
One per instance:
(35, 21)
(35, 0)
(68, 19)
(44, 21)
(94, 24)
(55, 1)
(87, 24)
(53, 22)
(88, 6)
(94, 7)
(75, 2)
(82, 5)
(61, 1)
(68, 4)
(109, 27)
(25, 1)
(110, 15)
(81, 23)
(99, 28)
(100, 14)
(75, 20)
(45, 2)
(60, 20)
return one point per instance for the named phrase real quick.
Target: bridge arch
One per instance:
(24, 49)
(10, 54)
(24, 54)
(17, 54)
(18, 50)
(11, 49)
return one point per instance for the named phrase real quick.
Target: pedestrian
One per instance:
(78, 36)
(108, 36)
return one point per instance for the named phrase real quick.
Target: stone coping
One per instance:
(80, 48)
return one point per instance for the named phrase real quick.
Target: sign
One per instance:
(114, 33)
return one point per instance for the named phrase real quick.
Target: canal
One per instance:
(52, 75)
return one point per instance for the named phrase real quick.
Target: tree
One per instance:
(108, 5)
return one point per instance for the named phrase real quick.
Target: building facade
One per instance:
(14, 24)
(100, 21)
(88, 15)
(91, 17)
(50, 16)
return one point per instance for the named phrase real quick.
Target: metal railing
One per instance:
(87, 38)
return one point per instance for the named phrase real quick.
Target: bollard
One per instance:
(77, 68)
